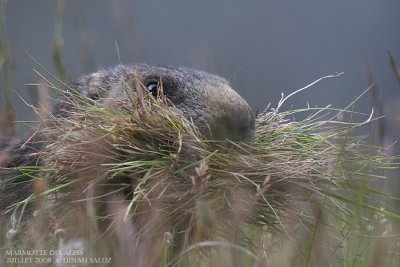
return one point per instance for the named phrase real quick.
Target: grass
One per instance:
(140, 185)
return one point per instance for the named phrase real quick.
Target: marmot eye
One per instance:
(152, 87)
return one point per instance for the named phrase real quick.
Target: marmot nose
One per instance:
(236, 124)
(232, 118)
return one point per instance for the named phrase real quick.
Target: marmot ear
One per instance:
(91, 86)
(94, 95)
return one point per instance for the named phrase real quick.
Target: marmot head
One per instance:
(208, 100)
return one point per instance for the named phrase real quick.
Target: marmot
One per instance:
(206, 99)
